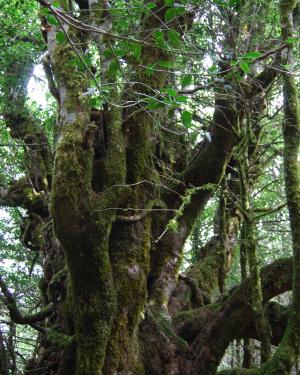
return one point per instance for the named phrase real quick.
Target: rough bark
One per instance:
(109, 272)
(287, 352)
(3, 357)
(224, 321)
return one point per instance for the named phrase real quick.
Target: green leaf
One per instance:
(108, 53)
(251, 55)
(174, 37)
(173, 225)
(186, 118)
(158, 35)
(169, 2)
(56, 4)
(44, 12)
(213, 69)
(170, 14)
(165, 63)
(233, 2)
(179, 8)
(238, 77)
(186, 80)
(154, 104)
(160, 39)
(120, 50)
(170, 91)
(150, 70)
(52, 20)
(175, 11)
(113, 67)
(181, 99)
(291, 40)
(170, 101)
(87, 59)
(94, 102)
(151, 5)
(245, 67)
(135, 50)
(60, 37)
(123, 23)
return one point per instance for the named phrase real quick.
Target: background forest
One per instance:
(149, 187)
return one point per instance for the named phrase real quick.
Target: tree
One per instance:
(112, 188)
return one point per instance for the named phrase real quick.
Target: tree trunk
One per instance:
(111, 207)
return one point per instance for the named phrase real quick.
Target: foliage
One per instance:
(126, 194)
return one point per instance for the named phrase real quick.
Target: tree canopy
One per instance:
(149, 190)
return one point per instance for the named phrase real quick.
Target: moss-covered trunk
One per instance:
(287, 353)
(111, 208)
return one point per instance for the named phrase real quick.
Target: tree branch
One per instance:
(15, 314)
(21, 193)
(210, 329)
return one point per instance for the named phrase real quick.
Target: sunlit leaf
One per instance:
(181, 98)
(170, 14)
(52, 20)
(151, 5)
(150, 70)
(245, 67)
(170, 91)
(160, 39)
(174, 37)
(165, 63)
(113, 67)
(60, 37)
(154, 104)
(186, 80)
(251, 55)
(186, 118)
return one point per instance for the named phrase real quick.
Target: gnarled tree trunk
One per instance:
(111, 207)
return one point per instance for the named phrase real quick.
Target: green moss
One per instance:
(69, 74)
(59, 276)
(194, 313)
(164, 323)
(83, 234)
(59, 339)
(115, 160)
(71, 181)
